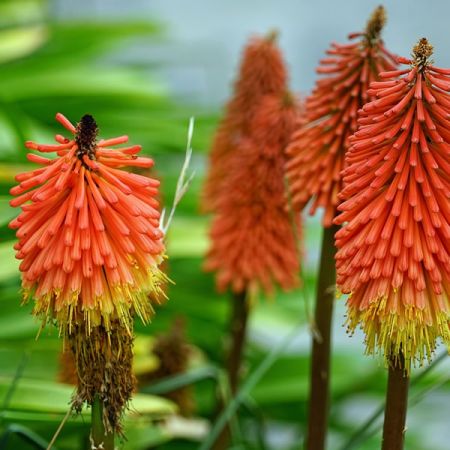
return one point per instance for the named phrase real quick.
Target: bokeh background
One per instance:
(143, 68)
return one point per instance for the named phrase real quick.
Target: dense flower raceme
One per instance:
(262, 72)
(253, 241)
(393, 251)
(88, 231)
(316, 152)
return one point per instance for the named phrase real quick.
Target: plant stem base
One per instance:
(396, 406)
(238, 331)
(99, 437)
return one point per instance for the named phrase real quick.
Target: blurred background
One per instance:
(143, 69)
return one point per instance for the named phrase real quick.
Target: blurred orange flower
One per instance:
(316, 152)
(393, 251)
(253, 241)
(262, 72)
(88, 231)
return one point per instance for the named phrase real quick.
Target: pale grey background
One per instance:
(204, 38)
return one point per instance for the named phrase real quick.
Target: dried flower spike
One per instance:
(316, 152)
(262, 72)
(173, 352)
(253, 243)
(393, 251)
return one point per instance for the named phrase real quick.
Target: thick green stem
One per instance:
(321, 345)
(396, 406)
(99, 436)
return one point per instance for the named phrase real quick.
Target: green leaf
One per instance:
(9, 265)
(184, 379)
(142, 436)
(49, 397)
(26, 435)
(21, 41)
(6, 212)
(247, 386)
(187, 237)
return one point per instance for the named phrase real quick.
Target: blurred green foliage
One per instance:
(75, 68)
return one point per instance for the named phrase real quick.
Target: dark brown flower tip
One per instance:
(288, 98)
(86, 136)
(375, 24)
(421, 53)
(272, 35)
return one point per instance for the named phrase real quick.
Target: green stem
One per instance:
(321, 345)
(396, 406)
(99, 436)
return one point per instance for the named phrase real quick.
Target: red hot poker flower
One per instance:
(262, 72)
(88, 231)
(317, 149)
(393, 251)
(253, 243)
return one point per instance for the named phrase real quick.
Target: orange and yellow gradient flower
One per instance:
(393, 254)
(317, 149)
(89, 237)
(90, 246)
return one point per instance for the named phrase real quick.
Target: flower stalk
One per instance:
(321, 345)
(100, 438)
(238, 331)
(396, 405)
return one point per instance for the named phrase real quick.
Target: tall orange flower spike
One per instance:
(262, 72)
(253, 241)
(394, 249)
(316, 152)
(88, 231)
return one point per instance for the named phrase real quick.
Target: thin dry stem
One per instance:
(182, 184)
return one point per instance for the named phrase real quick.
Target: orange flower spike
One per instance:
(88, 231)
(393, 250)
(262, 72)
(253, 243)
(317, 149)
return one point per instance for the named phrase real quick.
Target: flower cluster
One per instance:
(90, 245)
(393, 251)
(262, 72)
(254, 243)
(316, 152)
(88, 231)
